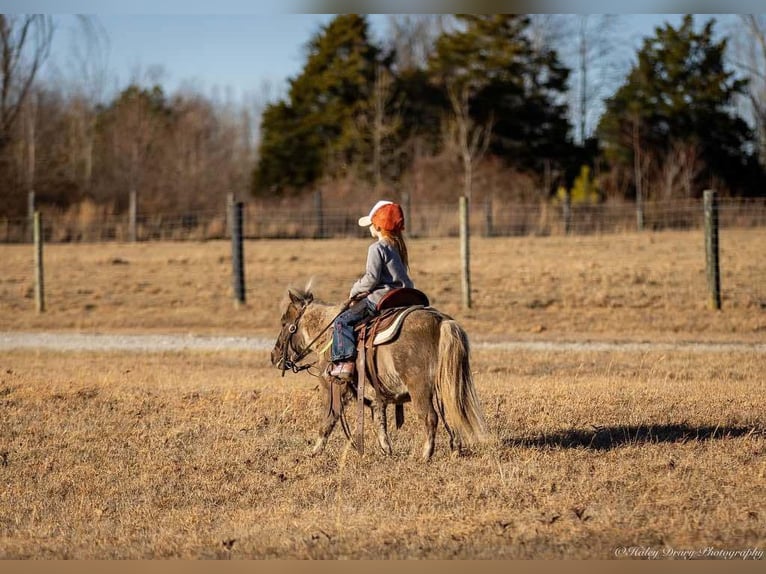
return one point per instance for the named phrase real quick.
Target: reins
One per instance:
(294, 363)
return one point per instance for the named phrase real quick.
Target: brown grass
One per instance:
(649, 286)
(205, 456)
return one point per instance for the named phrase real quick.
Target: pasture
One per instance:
(205, 454)
(617, 287)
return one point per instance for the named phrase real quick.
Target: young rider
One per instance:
(387, 268)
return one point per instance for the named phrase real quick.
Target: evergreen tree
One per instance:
(517, 87)
(317, 131)
(679, 93)
(421, 106)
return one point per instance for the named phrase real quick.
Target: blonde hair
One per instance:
(396, 239)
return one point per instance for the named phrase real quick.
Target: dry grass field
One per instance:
(594, 454)
(206, 456)
(622, 287)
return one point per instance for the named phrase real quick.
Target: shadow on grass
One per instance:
(605, 438)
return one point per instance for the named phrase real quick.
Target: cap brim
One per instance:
(365, 221)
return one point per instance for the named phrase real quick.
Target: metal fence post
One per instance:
(237, 254)
(711, 248)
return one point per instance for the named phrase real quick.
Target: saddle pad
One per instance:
(390, 332)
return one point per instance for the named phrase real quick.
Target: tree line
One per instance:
(452, 99)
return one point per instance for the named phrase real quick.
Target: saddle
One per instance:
(382, 328)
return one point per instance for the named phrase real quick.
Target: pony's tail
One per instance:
(455, 393)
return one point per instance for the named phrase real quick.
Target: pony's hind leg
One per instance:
(455, 444)
(425, 408)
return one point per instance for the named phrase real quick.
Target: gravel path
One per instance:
(160, 343)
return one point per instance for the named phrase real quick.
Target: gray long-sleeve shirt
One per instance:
(385, 271)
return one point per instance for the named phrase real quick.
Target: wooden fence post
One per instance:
(567, 212)
(132, 216)
(31, 216)
(39, 275)
(229, 212)
(237, 254)
(711, 248)
(406, 208)
(489, 230)
(319, 215)
(465, 252)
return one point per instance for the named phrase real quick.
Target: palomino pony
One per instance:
(427, 364)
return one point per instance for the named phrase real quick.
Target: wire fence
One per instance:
(323, 219)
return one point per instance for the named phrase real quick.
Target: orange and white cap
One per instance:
(385, 215)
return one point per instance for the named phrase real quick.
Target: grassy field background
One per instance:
(205, 454)
(647, 286)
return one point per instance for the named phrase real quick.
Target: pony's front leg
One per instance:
(325, 429)
(381, 426)
(330, 419)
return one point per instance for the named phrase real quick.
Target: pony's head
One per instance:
(289, 340)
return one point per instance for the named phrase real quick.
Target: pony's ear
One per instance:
(309, 291)
(294, 296)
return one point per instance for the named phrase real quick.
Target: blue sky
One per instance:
(220, 53)
(208, 52)
(239, 52)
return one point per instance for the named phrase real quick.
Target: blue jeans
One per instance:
(343, 336)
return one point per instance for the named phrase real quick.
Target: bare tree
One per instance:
(88, 71)
(596, 46)
(680, 168)
(590, 45)
(25, 42)
(639, 169)
(470, 139)
(386, 121)
(28, 157)
(750, 58)
(412, 38)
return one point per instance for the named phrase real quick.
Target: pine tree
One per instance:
(513, 84)
(317, 130)
(679, 94)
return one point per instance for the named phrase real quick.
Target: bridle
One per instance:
(293, 364)
(287, 343)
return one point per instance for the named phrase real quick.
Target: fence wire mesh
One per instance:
(314, 220)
